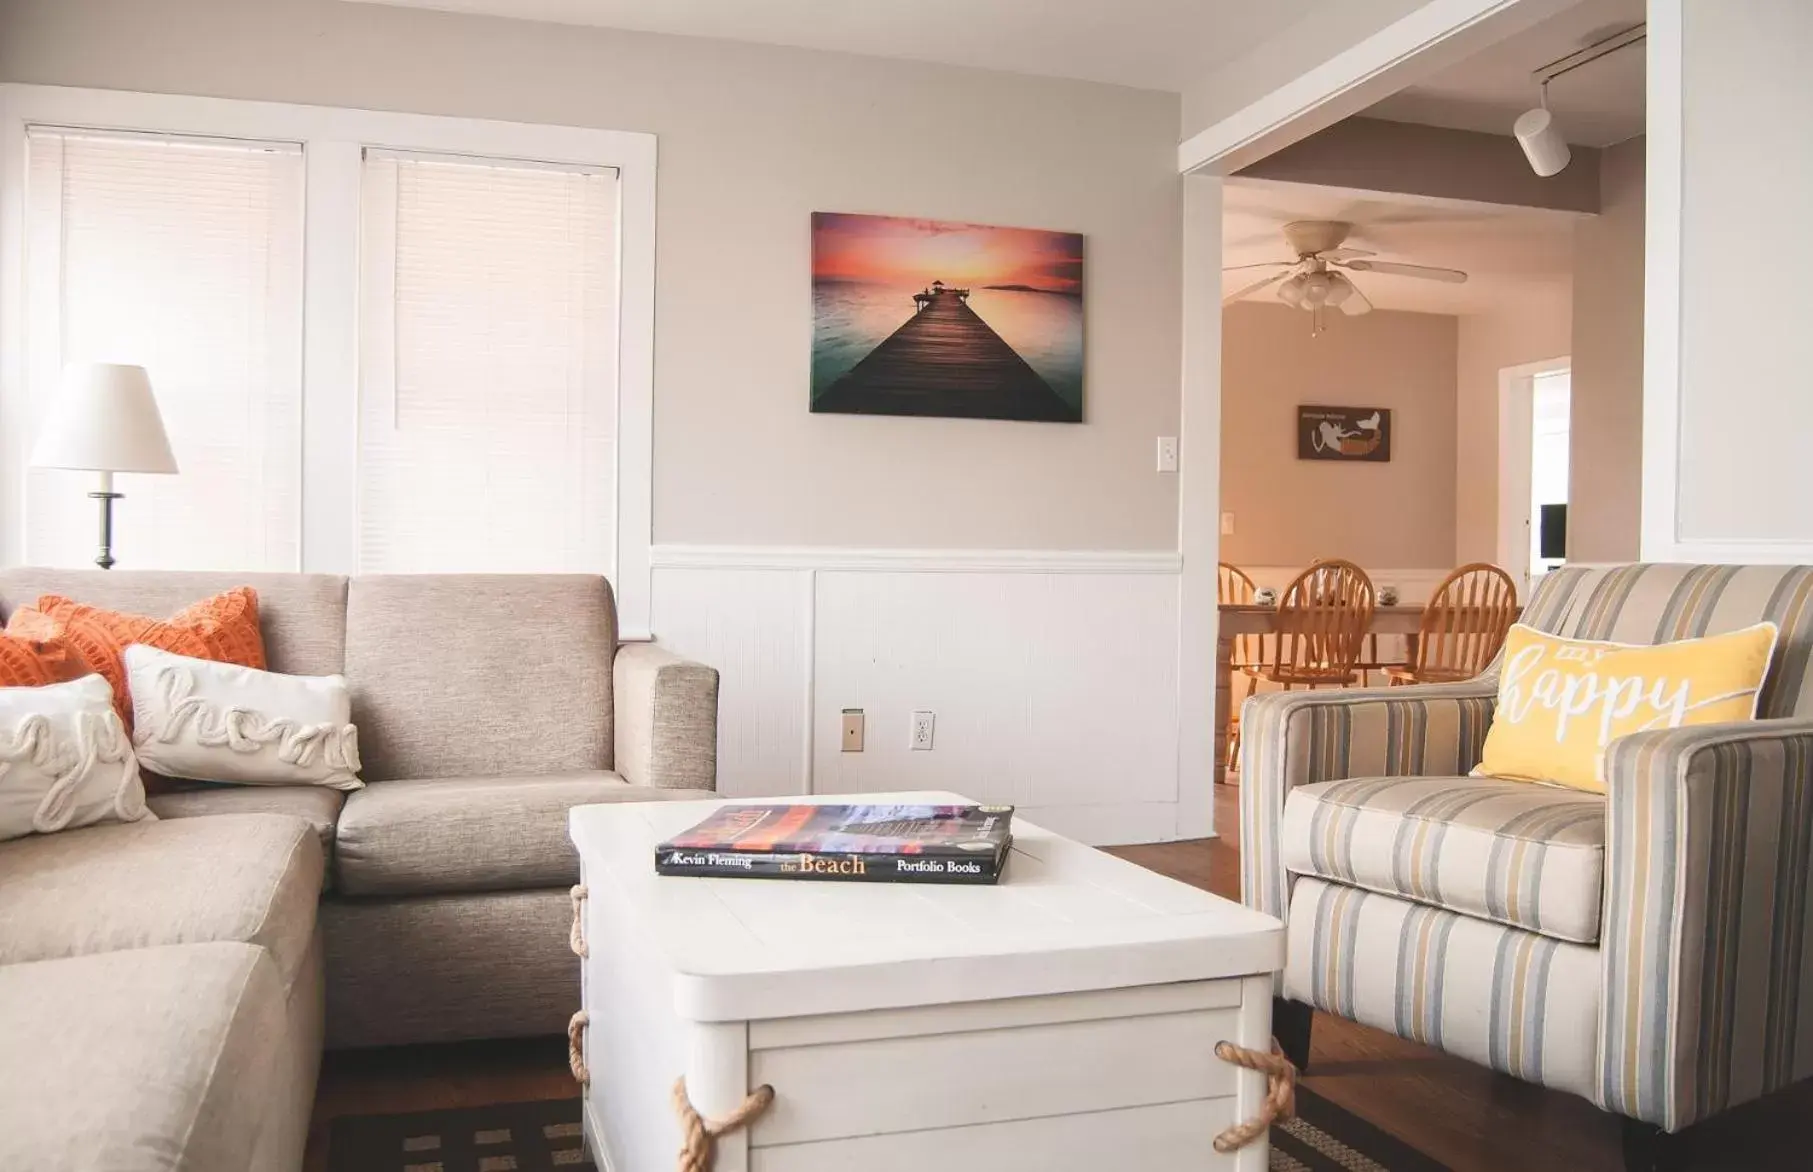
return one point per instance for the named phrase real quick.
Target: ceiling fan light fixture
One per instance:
(1339, 289)
(1291, 292)
(1541, 141)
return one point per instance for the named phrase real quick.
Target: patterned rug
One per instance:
(545, 1137)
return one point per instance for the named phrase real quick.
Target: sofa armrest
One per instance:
(1298, 738)
(667, 718)
(1706, 973)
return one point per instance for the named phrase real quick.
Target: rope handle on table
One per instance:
(576, 1026)
(699, 1135)
(1280, 1093)
(576, 936)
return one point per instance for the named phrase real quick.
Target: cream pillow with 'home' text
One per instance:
(1561, 702)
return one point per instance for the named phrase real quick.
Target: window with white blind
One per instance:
(182, 255)
(451, 370)
(488, 365)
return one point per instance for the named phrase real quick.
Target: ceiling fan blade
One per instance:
(1346, 253)
(1264, 264)
(1394, 268)
(1255, 287)
(1355, 303)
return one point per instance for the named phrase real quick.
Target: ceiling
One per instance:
(1596, 105)
(1508, 254)
(1152, 44)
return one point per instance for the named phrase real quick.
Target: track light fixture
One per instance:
(1542, 141)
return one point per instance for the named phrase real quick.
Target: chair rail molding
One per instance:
(970, 561)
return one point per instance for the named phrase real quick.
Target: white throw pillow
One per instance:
(65, 760)
(210, 721)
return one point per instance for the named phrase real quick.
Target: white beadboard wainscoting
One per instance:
(1053, 675)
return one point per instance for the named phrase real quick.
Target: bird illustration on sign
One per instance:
(1344, 433)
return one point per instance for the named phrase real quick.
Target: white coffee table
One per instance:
(1062, 1021)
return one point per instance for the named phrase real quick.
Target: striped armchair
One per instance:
(1650, 950)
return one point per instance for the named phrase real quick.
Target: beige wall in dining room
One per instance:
(1605, 458)
(1535, 327)
(753, 140)
(1288, 512)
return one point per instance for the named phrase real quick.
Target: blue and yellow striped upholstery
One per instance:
(1702, 989)
(1530, 856)
(1708, 944)
(1524, 1004)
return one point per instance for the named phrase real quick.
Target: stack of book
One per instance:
(885, 844)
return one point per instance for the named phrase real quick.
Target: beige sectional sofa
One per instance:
(172, 982)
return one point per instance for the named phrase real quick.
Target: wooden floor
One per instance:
(1460, 1114)
(945, 361)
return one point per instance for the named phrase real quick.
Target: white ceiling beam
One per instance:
(1409, 50)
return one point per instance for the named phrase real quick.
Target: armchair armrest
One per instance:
(1706, 975)
(667, 718)
(1298, 738)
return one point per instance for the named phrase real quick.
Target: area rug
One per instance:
(545, 1137)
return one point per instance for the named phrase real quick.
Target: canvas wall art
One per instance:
(921, 317)
(1344, 433)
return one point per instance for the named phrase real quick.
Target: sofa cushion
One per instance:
(246, 878)
(302, 616)
(471, 833)
(1531, 856)
(316, 805)
(467, 675)
(147, 1058)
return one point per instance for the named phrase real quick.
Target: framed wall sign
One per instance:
(1344, 433)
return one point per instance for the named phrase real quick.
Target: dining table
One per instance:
(1239, 619)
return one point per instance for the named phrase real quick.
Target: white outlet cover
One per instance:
(923, 727)
(1167, 453)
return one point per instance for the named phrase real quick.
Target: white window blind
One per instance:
(183, 256)
(488, 366)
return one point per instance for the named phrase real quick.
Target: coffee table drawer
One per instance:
(941, 1069)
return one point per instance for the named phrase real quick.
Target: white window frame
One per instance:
(333, 141)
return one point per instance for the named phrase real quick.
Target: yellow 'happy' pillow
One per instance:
(1562, 701)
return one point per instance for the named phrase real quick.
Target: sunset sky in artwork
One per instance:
(896, 251)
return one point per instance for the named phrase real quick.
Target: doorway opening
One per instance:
(1533, 450)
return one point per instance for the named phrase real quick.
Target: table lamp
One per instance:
(104, 420)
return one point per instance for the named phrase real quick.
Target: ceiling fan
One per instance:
(1315, 280)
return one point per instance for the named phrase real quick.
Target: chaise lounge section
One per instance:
(178, 978)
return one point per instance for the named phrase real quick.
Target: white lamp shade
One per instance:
(104, 419)
(1542, 142)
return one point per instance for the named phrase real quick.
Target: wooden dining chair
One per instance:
(1463, 626)
(1320, 631)
(1234, 587)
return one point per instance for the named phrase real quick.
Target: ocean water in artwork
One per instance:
(851, 318)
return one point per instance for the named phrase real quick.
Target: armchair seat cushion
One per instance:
(467, 834)
(1530, 856)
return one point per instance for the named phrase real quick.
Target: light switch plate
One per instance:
(1227, 524)
(1167, 453)
(852, 730)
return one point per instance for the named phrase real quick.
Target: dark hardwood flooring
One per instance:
(1463, 1115)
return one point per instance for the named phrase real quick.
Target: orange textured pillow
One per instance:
(223, 628)
(33, 653)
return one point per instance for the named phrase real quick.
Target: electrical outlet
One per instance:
(852, 730)
(1167, 453)
(922, 730)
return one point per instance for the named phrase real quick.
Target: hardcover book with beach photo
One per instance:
(897, 844)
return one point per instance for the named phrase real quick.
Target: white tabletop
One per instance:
(1064, 918)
